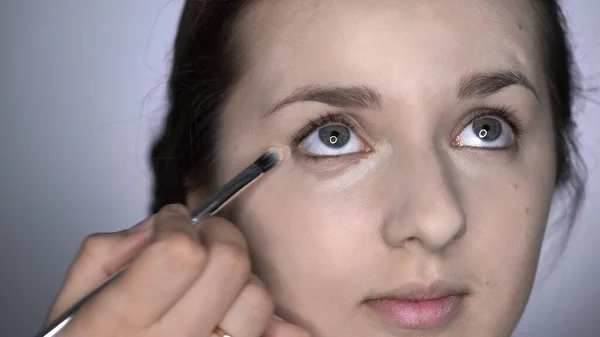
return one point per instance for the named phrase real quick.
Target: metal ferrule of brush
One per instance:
(209, 207)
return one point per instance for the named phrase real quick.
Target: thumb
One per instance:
(100, 256)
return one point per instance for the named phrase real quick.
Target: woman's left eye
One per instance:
(332, 140)
(487, 132)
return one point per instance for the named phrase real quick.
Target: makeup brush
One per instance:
(229, 191)
(211, 205)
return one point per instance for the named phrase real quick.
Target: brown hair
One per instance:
(203, 73)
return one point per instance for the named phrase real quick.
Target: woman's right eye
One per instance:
(332, 140)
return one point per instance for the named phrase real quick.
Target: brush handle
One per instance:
(217, 200)
(209, 207)
(59, 323)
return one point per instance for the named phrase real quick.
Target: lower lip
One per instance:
(418, 314)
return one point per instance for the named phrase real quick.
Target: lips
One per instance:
(419, 306)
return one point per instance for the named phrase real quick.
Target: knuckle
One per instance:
(181, 249)
(96, 244)
(170, 213)
(259, 299)
(173, 209)
(232, 258)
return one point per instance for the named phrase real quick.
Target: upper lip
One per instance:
(421, 291)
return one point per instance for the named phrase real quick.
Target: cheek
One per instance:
(507, 207)
(508, 199)
(286, 221)
(506, 227)
(301, 239)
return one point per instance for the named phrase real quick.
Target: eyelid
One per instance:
(332, 118)
(503, 112)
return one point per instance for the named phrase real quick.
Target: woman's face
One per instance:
(415, 192)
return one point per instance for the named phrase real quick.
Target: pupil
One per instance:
(487, 129)
(334, 136)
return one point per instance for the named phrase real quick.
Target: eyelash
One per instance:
(329, 118)
(325, 119)
(503, 112)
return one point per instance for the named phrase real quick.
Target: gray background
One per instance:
(82, 91)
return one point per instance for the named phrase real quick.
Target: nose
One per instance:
(426, 208)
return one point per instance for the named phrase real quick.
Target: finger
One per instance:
(251, 311)
(158, 277)
(100, 256)
(226, 273)
(175, 218)
(280, 328)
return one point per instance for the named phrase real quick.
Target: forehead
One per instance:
(397, 46)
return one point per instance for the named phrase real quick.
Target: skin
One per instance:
(180, 280)
(426, 209)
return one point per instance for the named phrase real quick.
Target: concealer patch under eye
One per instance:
(354, 174)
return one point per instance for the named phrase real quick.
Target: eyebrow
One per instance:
(471, 86)
(481, 85)
(355, 97)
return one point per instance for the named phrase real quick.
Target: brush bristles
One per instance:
(269, 159)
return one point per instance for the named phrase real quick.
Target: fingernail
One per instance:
(253, 278)
(279, 318)
(141, 226)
